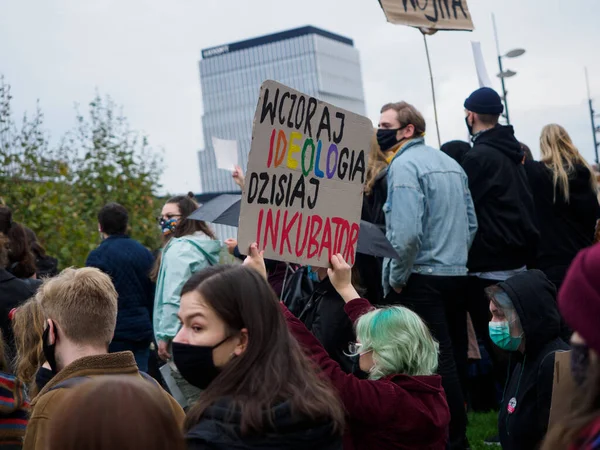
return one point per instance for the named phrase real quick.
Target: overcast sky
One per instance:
(145, 53)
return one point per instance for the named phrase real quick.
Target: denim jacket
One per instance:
(429, 214)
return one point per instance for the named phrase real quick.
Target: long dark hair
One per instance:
(21, 261)
(273, 369)
(585, 410)
(185, 226)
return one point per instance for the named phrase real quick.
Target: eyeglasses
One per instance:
(161, 219)
(354, 348)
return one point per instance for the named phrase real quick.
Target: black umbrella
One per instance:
(372, 241)
(225, 210)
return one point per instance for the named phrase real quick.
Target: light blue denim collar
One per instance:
(409, 144)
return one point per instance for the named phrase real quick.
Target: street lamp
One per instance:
(515, 53)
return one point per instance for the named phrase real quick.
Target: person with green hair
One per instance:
(400, 402)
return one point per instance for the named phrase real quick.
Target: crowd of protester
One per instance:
(497, 272)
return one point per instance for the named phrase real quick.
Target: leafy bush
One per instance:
(58, 190)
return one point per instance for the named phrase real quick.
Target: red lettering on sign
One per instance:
(285, 233)
(338, 228)
(300, 250)
(281, 148)
(326, 240)
(313, 243)
(261, 213)
(270, 158)
(272, 228)
(350, 249)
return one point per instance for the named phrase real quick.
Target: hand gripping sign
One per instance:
(304, 185)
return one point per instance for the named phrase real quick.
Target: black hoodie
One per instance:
(219, 429)
(507, 236)
(530, 383)
(565, 228)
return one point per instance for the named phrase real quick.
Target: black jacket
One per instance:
(565, 228)
(128, 263)
(531, 379)
(321, 309)
(370, 267)
(372, 207)
(507, 236)
(13, 293)
(220, 430)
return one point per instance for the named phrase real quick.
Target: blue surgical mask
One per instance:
(500, 335)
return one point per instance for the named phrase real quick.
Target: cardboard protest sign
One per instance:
(562, 389)
(435, 14)
(304, 183)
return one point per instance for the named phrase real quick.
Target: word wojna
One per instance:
(313, 234)
(441, 4)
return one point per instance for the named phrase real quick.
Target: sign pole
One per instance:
(437, 125)
(592, 115)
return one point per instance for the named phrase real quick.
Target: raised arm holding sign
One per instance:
(306, 169)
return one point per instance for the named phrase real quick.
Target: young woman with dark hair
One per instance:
(13, 293)
(46, 265)
(21, 260)
(260, 391)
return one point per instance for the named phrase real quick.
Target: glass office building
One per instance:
(314, 61)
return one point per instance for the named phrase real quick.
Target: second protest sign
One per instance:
(304, 184)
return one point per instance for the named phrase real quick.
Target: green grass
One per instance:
(482, 426)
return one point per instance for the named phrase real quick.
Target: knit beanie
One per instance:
(579, 297)
(484, 101)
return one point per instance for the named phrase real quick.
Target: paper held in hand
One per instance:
(304, 184)
(434, 14)
(226, 153)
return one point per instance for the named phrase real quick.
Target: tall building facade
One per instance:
(314, 61)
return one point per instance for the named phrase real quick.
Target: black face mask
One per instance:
(580, 362)
(356, 370)
(195, 363)
(50, 350)
(386, 138)
(469, 126)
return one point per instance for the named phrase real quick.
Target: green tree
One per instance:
(58, 190)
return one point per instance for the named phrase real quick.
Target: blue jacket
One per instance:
(429, 215)
(181, 258)
(128, 263)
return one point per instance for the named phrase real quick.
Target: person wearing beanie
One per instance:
(579, 304)
(507, 237)
(526, 324)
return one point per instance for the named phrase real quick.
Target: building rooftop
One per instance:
(270, 38)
